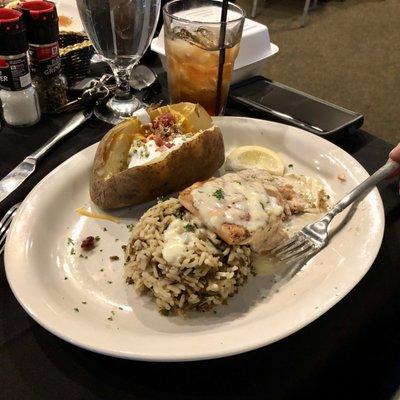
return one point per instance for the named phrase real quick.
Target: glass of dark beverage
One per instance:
(192, 46)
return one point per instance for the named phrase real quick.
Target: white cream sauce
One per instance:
(143, 153)
(177, 241)
(232, 199)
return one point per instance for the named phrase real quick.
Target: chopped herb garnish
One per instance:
(189, 228)
(110, 318)
(114, 258)
(97, 238)
(110, 282)
(130, 227)
(72, 251)
(101, 269)
(262, 205)
(290, 166)
(116, 239)
(84, 302)
(101, 250)
(165, 312)
(120, 308)
(104, 229)
(219, 194)
(253, 270)
(71, 242)
(65, 278)
(123, 247)
(112, 312)
(76, 309)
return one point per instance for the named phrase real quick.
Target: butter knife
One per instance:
(11, 181)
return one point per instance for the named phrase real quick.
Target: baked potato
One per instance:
(136, 162)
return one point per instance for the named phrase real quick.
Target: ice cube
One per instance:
(204, 37)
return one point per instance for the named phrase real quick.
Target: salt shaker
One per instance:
(19, 99)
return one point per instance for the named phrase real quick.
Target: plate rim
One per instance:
(215, 353)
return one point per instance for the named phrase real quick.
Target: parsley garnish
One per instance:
(165, 312)
(72, 251)
(262, 205)
(71, 242)
(76, 309)
(219, 194)
(253, 270)
(189, 228)
(104, 229)
(290, 166)
(130, 227)
(97, 238)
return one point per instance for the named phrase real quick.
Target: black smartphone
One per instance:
(291, 106)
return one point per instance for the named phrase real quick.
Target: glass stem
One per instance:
(122, 75)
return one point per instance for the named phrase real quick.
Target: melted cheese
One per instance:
(87, 213)
(177, 241)
(232, 199)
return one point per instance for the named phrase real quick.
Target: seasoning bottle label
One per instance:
(14, 72)
(45, 59)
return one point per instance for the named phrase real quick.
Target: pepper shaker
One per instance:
(44, 55)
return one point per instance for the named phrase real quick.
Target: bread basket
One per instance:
(76, 52)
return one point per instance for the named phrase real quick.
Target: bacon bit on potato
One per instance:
(164, 120)
(158, 140)
(342, 177)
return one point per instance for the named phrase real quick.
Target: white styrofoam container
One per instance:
(255, 48)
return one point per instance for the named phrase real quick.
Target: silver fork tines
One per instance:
(5, 224)
(297, 246)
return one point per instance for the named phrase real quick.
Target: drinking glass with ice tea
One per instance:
(193, 50)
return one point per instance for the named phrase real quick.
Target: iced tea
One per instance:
(192, 51)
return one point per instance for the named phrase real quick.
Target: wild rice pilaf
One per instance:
(207, 272)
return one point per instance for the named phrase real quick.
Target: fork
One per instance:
(314, 236)
(5, 224)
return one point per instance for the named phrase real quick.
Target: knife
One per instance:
(11, 181)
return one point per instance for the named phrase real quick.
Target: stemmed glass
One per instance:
(121, 31)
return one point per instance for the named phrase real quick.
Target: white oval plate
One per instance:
(52, 284)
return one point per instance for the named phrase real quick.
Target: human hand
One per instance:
(395, 156)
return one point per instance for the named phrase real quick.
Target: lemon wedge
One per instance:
(245, 157)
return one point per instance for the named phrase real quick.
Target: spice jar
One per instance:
(42, 27)
(18, 98)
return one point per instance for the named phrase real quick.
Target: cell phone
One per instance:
(282, 103)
